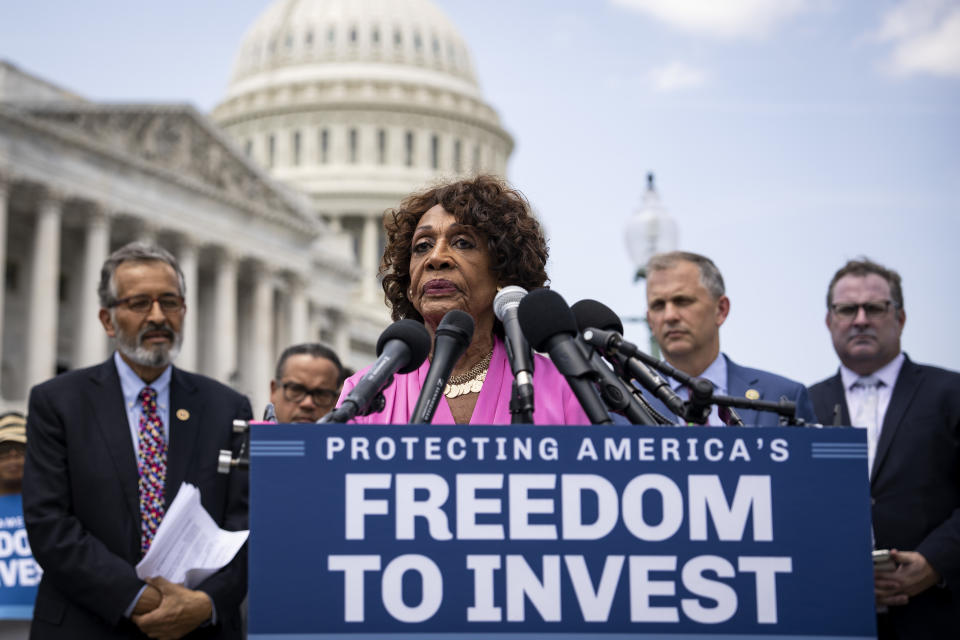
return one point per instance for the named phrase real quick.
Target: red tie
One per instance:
(152, 467)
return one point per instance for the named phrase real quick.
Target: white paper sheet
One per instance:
(189, 546)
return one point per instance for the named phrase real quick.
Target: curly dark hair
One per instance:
(518, 249)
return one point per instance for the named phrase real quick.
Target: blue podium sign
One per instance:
(470, 532)
(19, 572)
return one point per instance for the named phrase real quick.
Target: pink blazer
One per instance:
(554, 402)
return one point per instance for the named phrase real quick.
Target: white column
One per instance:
(341, 335)
(187, 257)
(262, 344)
(44, 289)
(299, 314)
(91, 343)
(369, 258)
(4, 199)
(225, 318)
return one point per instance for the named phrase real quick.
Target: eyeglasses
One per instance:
(849, 310)
(294, 392)
(12, 450)
(169, 303)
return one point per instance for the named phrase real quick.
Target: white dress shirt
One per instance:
(857, 395)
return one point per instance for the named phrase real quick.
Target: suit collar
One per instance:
(185, 421)
(839, 395)
(739, 379)
(111, 419)
(908, 382)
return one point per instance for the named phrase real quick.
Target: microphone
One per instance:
(615, 393)
(613, 345)
(453, 337)
(701, 399)
(269, 413)
(549, 326)
(729, 416)
(402, 347)
(518, 352)
(597, 318)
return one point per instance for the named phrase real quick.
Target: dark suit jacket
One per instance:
(81, 505)
(915, 485)
(770, 386)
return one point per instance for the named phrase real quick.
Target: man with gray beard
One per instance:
(108, 448)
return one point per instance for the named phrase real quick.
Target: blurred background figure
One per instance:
(307, 383)
(13, 443)
(16, 598)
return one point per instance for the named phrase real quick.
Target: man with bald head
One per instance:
(911, 413)
(686, 306)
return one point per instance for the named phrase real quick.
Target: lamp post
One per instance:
(650, 230)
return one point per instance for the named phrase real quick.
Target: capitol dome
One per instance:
(358, 103)
(411, 37)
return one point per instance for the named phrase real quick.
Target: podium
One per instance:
(589, 532)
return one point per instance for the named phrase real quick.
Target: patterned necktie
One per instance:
(152, 467)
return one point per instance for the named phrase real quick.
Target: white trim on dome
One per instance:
(354, 73)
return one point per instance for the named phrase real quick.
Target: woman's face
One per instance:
(450, 269)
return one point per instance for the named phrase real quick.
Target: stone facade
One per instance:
(78, 180)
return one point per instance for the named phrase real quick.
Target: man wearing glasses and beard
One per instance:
(912, 416)
(307, 383)
(108, 448)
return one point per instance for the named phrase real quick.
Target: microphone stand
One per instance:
(702, 396)
(521, 404)
(521, 393)
(226, 461)
(701, 391)
(341, 415)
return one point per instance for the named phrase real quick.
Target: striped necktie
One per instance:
(151, 466)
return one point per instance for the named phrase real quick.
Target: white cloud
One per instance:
(925, 36)
(677, 76)
(724, 19)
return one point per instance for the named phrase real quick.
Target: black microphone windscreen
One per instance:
(458, 324)
(596, 315)
(411, 333)
(544, 313)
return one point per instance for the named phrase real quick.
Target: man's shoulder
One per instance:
(935, 371)
(760, 376)
(824, 385)
(76, 378)
(205, 384)
(933, 378)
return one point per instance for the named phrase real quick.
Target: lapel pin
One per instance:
(751, 394)
(183, 415)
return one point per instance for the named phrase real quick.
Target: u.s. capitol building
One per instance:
(335, 111)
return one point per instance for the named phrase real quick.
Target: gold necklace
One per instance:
(469, 382)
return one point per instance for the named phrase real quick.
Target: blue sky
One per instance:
(786, 136)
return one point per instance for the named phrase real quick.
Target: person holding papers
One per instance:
(108, 448)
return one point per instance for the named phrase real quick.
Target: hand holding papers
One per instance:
(189, 546)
